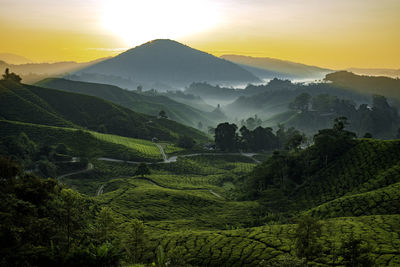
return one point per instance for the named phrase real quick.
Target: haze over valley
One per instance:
(199, 133)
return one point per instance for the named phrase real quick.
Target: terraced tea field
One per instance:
(143, 147)
(274, 244)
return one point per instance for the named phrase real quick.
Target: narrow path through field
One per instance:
(175, 158)
(162, 152)
(89, 167)
(100, 190)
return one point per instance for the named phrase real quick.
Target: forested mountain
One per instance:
(309, 114)
(40, 105)
(386, 86)
(147, 103)
(162, 64)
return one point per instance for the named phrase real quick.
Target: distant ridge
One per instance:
(266, 67)
(14, 59)
(166, 63)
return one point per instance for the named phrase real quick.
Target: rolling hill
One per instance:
(39, 105)
(386, 86)
(165, 63)
(143, 103)
(268, 68)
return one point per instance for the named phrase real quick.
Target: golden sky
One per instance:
(328, 33)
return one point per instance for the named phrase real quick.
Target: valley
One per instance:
(98, 172)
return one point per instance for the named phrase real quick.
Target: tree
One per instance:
(186, 142)
(332, 142)
(62, 149)
(133, 241)
(7, 76)
(367, 135)
(163, 114)
(225, 137)
(142, 170)
(301, 102)
(307, 233)
(200, 125)
(106, 225)
(356, 253)
(8, 168)
(295, 141)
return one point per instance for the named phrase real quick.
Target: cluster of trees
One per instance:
(11, 76)
(288, 168)
(41, 158)
(380, 119)
(251, 123)
(44, 224)
(229, 139)
(354, 251)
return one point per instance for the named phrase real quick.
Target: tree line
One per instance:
(229, 139)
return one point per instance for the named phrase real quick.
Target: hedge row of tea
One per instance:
(369, 165)
(274, 245)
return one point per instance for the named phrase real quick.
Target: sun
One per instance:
(136, 22)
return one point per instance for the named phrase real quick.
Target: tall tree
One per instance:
(301, 102)
(226, 137)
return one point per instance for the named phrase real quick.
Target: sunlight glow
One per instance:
(136, 22)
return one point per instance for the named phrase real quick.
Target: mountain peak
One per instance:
(164, 62)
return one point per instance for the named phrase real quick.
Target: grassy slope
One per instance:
(147, 104)
(52, 107)
(181, 213)
(20, 104)
(261, 246)
(370, 165)
(95, 144)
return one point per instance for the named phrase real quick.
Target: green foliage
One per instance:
(142, 170)
(186, 142)
(301, 102)
(141, 102)
(307, 233)
(225, 137)
(356, 252)
(133, 242)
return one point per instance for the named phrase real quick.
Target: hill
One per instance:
(274, 98)
(34, 72)
(139, 102)
(268, 68)
(392, 73)
(39, 105)
(165, 63)
(366, 84)
(83, 142)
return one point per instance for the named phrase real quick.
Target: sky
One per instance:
(335, 34)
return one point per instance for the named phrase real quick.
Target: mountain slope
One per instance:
(57, 108)
(143, 103)
(280, 68)
(366, 84)
(169, 63)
